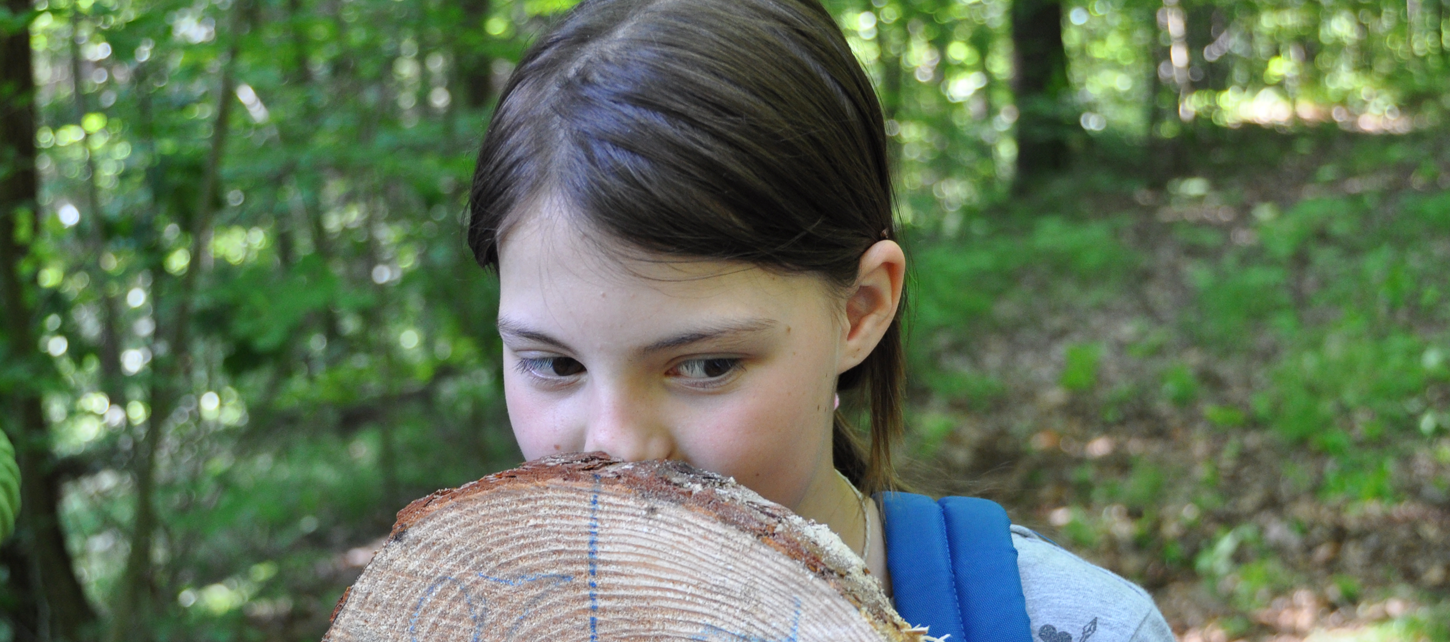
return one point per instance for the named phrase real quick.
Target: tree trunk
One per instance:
(97, 237)
(631, 551)
(61, 611)
(981, 40)
(1205, 24)
(891, 40)
(1043, 92)
(301, 73)
(1163, 152)
(1442, 36)
(475, 66)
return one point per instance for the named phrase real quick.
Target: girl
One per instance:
(690, 211)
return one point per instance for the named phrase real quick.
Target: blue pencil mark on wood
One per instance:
(712, 633)
(594, 562)
(474, 613)
(526, 610)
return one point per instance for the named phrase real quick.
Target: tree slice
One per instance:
(582, 547)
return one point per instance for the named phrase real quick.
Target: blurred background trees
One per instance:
(1181, 272)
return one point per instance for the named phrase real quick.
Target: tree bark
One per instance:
(580, 547)
(60, 610)
(889, 37)
(1043, 92)
(1205, 23)
(475, 66)
(1163, 153)
(1442, 35)
(301, 72)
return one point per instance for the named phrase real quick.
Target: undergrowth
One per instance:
(1294, 316)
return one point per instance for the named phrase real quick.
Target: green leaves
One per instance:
(9, 487)
(260, 310)
(1234, 300)
(1080, 370)
(11, 22)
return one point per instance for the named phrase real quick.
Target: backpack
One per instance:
(953, 568)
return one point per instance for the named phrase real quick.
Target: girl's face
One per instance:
(727, 366)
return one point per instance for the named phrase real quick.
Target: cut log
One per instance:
(582, 547)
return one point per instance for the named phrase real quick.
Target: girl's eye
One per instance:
(707, 368)
(552, 367)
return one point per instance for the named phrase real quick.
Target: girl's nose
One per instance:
(627, 427)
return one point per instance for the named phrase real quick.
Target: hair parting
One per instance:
(733, 130)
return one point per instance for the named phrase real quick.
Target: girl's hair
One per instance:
(734, 130)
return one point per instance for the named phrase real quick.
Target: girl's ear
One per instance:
(872, 302)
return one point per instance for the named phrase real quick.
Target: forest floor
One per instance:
(1117, 422)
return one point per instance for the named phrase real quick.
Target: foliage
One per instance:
(960, 281)
(1080, 373)
(287, 358)
(9, 487)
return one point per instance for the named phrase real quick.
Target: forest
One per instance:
(1180, 297)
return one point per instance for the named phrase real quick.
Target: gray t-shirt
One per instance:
(1072, 600)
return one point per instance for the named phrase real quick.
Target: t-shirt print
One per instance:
(1049, 633)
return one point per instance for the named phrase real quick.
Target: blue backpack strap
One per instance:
(988, 583)
(954, 569)
(919, 559)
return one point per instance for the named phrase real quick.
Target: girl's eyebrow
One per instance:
(748, 326)
(716, 332)
(513, 329)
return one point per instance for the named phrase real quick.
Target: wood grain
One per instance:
(582, 547)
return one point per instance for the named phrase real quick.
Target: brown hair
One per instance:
(735, 130)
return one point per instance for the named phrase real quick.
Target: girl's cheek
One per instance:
(535, 426)
(770, 442)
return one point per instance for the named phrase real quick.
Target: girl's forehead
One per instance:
(551, 247)
(553, 271)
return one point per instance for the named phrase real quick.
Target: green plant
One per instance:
(931, 429)
(1200, 237)
(9, 487)
(1353, 370)
(1150, 343)
(1224, 416)
(1217, 559)
(1080, 530)
(1145, 484)
(1361, 475)
(1236, 626)
(1287, 235)
(973, 387)
(1080, 370)
(1115, 405)
(1234, 299)
(1083, 250)
(1179, 385)
(1173, 554)
(1347, 588)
